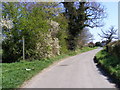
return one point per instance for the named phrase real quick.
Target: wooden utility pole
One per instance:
(23, 48)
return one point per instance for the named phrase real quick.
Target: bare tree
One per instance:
(85, 37)
(109, 35)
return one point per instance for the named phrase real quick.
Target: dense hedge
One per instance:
(114, 48)
(110, 60)
(44, 37)
(109, 63)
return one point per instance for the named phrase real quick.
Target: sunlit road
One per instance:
(74, 72)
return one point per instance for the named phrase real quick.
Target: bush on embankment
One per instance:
(114, 48)
(110, 63)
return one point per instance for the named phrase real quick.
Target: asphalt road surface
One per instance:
(73, 72)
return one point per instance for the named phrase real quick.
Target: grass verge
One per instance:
(0, 51)
(14, 74)
(110, 64)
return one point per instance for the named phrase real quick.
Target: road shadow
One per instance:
(63, 65)
(105, 73)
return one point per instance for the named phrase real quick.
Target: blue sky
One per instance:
(112, 19)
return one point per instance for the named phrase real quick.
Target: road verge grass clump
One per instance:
(110, 64)
(14, 74)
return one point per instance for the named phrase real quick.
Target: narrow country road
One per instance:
(74, 72)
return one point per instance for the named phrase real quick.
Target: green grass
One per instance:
(14, 74)
(84, 49)
(0, 51)
(110, 63)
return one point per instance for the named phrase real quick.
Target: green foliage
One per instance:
(81, 15)
(11, 50)
(42, 34)
(0, 51)
(98, 44)
(14, 74)
(62, 33)
(33, 26)
(35, 33)
(114, 48)
(110, 62)
(47, 31)
(51, 8)
(91, 44)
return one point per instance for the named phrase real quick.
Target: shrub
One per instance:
(114, 48)
(98, 44)
(47, 44)
(40, 34)
(110, 63)
(62, 34)
(91, 44)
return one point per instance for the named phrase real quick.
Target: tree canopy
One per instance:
(81, 15)
(48, 28)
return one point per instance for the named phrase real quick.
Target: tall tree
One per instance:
(81, 15)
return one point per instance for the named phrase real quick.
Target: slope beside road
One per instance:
(74, 72)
